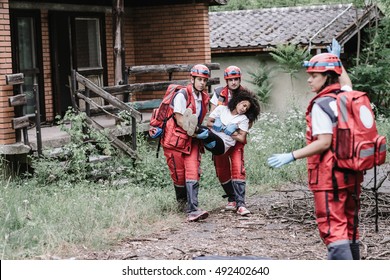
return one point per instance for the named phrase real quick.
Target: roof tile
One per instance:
(274, 26)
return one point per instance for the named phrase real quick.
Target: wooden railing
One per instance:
(90, 87)
(110, 94)
(21, 121)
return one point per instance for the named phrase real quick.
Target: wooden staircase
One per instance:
(83, 89)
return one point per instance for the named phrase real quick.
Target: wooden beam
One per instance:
(20, 122)
(14, 79)
(155, 86)
(118, 8)
(111, 110)
(168, 68)
(17, 100)
(108, 97)
(146, 104)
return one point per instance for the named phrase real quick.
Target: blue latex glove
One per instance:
(335, 48)
(217, 126)
(230, 129)
(278, 160)
(211, 145)
(155, 132)
(203, 135)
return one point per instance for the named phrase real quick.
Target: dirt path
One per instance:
(281, 226)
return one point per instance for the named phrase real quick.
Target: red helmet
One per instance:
(232, 72)
(323, 62)
(200, 70)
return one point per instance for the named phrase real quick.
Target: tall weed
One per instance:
(274, 134)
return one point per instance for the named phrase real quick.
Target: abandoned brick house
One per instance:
(46, 39)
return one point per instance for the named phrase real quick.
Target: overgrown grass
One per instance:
(63, 211)
(272, 134)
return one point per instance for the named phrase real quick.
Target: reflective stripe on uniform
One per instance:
(343, 108)
(367, 152)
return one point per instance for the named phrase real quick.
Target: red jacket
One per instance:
(321, 172)
(174, 136)
(223, 94)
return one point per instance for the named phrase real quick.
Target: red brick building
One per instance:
(46, 39)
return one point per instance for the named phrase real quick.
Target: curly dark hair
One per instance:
(246, 95)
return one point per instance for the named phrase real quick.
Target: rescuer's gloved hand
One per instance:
(230, 129)
(335, 48)
(155, 132)
(278, 160)
(203, 135)
(217, 126)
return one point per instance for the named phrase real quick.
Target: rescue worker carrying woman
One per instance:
(230, 166)
(336, 209)
(183, 152)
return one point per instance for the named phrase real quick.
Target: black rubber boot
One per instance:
(192, 188)
(181, 197)
(355, 250)
(239, 192)
(228, 188)
(339, 252)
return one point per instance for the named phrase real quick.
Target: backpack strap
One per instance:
(324, 103)
(218, 91)
(356, 212)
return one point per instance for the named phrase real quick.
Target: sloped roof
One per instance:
(264, 28)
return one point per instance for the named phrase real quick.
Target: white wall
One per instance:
(282, 94)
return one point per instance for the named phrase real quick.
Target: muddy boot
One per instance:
(355, 250)
(181, 198)
(339, 252)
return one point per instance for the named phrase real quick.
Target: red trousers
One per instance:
(230, 166)
(335, 219)
(184, 167)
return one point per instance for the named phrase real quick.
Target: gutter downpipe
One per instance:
(339, 15)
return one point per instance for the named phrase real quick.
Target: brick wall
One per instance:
(47, 72)
(109, 49)
(7, 134)
(171, 34)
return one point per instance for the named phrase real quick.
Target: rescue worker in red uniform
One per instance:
(182, 151)
(230, 167)
(336, 192)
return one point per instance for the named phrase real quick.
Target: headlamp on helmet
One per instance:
(232, 72)
(200, 70)
(324, 62)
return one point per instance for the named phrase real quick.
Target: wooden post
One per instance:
(118, 11)
(73, 89)
(38, 120)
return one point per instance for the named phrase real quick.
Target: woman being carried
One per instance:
(226, 124)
